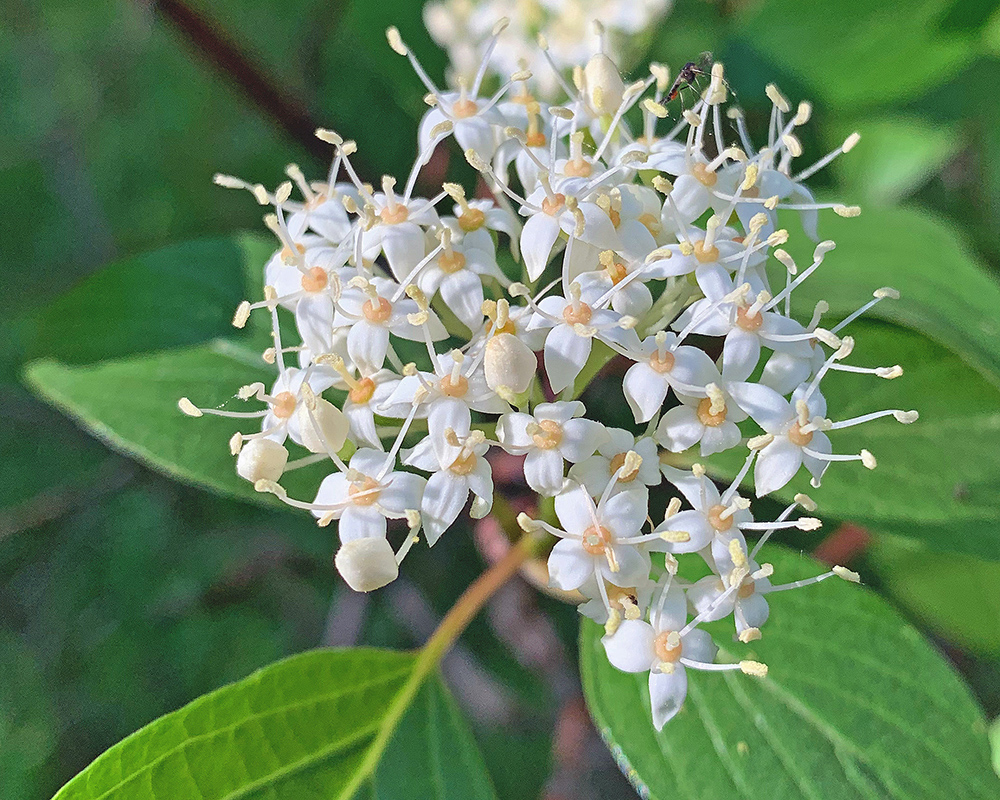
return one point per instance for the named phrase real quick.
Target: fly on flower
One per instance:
(689, 75)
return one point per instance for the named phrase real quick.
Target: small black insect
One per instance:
(690, 73)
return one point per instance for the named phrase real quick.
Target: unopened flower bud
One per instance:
(262, 459)
(605, 87)
(367, 564)
(324, 428)
(509, 363)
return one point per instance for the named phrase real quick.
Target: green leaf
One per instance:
(180, 295)
(895, 157)
(937, 479)
(856, 53)
(131, 405)
(946, 293)
(995, 744)
(856, 705)
(314, 725)
(956, 596)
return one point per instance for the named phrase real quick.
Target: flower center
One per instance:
(652, 223)
(379, 312)
(362, 393)
(705, 255)
(578, 168)
(284, 405)
(596, 540)
(616, 464)
(286, 253)
(364, 492)
(315, 279)
(580, 314)
(667, 647)
(717, 521)
(451, 262)
(463, 109)
(661, 363)
(536, 139)
(706, 417)
(553, 205)
(797, 437)
(458, 388)
(464, 464)
(703, 175)
(393, 217)
(752, 192)
(472, 219)
(617, 272)
(746, 590)
(548, 435)
(615, 217)
(507, 327)
(748, 323)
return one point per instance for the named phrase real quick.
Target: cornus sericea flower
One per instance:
(430, 338)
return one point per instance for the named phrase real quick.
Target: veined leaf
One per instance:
(856, 705)
(312, 726)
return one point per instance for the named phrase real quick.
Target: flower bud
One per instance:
(262, 459)
(367, 564)
(605, 87)
(323, 428)
(509, 363)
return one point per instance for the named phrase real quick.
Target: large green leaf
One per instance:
(956, 596)
(312, 726)
(131, 404)
(856, 705)
(180, 295)
(857, 53)
(937, 479)
(945, 292)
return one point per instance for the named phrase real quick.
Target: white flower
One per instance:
(710, 420)
(664, 646)
(448, 488)
(661, 363)
(594, 539)
(548, 438)
(366, 495)
(595, 472)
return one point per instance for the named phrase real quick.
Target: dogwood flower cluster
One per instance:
(417, 333)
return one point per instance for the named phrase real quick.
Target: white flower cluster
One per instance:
(637, 237)
(464, 28)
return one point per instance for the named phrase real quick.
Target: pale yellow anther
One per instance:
(691, 118)
(906, 417)
(847, 211)
(736, 553)
(543, 43)
(662, 185)
(827, 337)
(242, 314)
(777, 98)
(750, 177)
(686, 248)
(328, 136)
(886, 293)
(850, 141)
(868, 460)
(748, 635)
(807, 503)
(765, 571)
(758, 442)
(441, 128)
(889, 372)
(808, 524)
(675, 537)
(717, 398)
(561, 112)
(654, 108)
(846, 574)
(413, 520)
(802, 114)
(793, 144)
(189, 408)
(786, 260)
(673, 507)
(755, 668)
(270, 487)
(662, 75)
(614, 621)
(236, 443)
(521, 75)
(772, 202)
(395, 40)
(779, 237)
(698, 470)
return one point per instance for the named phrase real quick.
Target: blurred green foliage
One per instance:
(124, 595)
